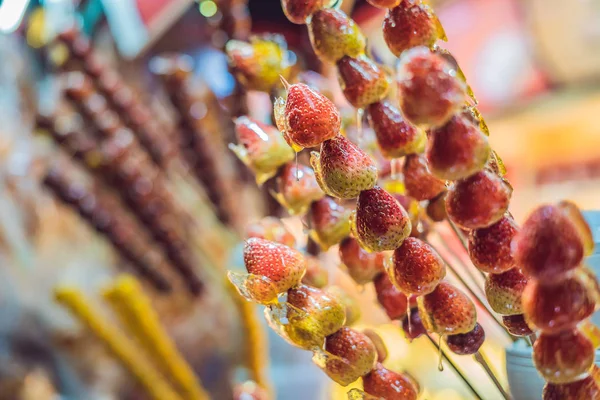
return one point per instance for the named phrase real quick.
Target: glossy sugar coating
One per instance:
(490, 248)
(396, 136)
(271, 228)
(557, 306)
(447, 310)
(334, 35)
(466, 343)
(362, 80)
(316, 275)
(574, 214)
(329, 222)
(258, 65)
(478, 201)
(306, 118)
(382, 352)
(380, 223)
(416, 267)
(584, 389)
(414, 328)
(355, 355)
(562, 358)
(343, 169)
(457, 149)
(436, 208)
(280, 264)
(384, 3)
(418, 179)
(314, 315)
(503, 291)
(409, 25)
(261, 147)
(393, 301)
(361, 265)
(350, 304)
(516, 325)
(548, 245)
(429, 90)
(390, 385)
(298, 11)
(297, 188)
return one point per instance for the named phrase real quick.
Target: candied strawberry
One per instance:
(350, 304)
(419, 181)
(249, 390)
(329, 222)
(379, 344)
(396, 137)
(466, 343)
(478, 201)
(271, 228)
(429, 90)
(314, 315)
(436, 208)
(457, 149)
(306, 118)
(298, 11)
(417, 267)
(390, 385)
(490, 248)
(516, 325)
(354, 355)
(362, 81)
(584, 389)
(412, 325)
(548, 245)
(334, 35)
(380, 223)
(316, 275)
(393, 301)
(343, 170)
(503, 291)
(409, 25)
(281, 265)
(447, 310)
(297, 188)
(574, 214)
(554, 307)
(362, 266)
(384, 3)
(261, 147)
(564, 357)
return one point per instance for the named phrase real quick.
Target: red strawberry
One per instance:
(584, 389)
(313, 315)
(429, 90)
(478, 201)
(362, 81)
(298, 188)
(391, 299)
(316, 275)
(271, 228)
(419, 181)
(396, 137)
(389, 385)
(306, 118)
(466, 343)
(379, 344)
(334, 35)
(261, 147)
(490, 248)
(410, 24)
(380, 223)
(503, 291)
(354, 355)
(417, 268)
(276, 266)
(548, 245)
(447, 310)
(564, 357)
(436, 208)
(343, 170)
(457, 149)
(384, 3)
(574, 214)
(412, 325)
(329, 222)
(362, 266)
(298, 11)
(558, 306)
(516, 325)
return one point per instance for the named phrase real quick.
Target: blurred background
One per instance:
(533, 64)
